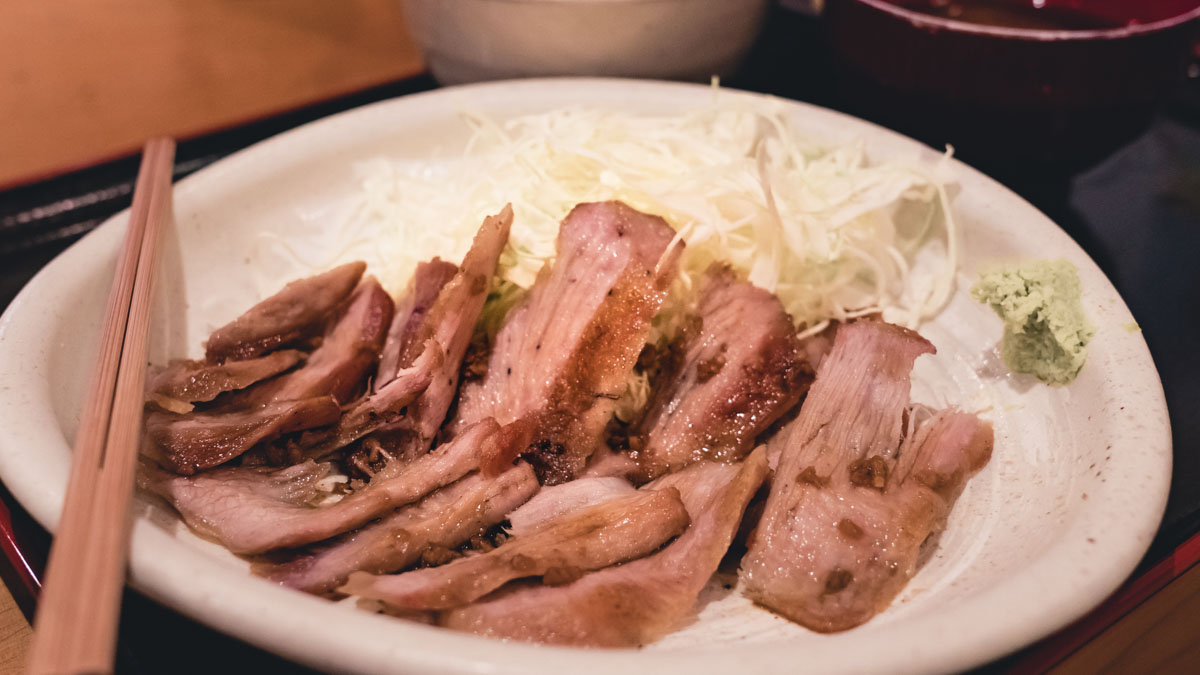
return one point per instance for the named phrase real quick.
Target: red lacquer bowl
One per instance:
(1006, 96)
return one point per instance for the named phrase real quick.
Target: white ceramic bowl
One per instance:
(473, 40)
(1057, 520)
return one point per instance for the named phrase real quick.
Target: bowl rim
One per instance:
(921, 20)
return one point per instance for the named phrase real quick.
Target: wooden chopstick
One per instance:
(75, 627)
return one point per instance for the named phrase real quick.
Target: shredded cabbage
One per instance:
(833, 235)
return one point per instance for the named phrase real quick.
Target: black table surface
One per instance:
(1137, 214)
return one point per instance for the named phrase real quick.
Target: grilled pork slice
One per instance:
(560, 500)
(449, 323)
(252, 510)
(389, 404)
(741, 369)
(443, 520)
(291, 315)
(184, 382)
(564, 354)
(347, 353)
(559, 551)
(636, 603)
(411, 309)
(851, 501)
(612, 464)
(201, 440)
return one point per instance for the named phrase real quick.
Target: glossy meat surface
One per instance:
(564, 354)
(348, 352)
(636, 603)
(294, 313)
(448, 324)
(443, 520)
(387, 405)
(252, 510)
(184, 382)
(561, 549)
(741, 369)
(411, 310)
(201, 440)
(857, 491)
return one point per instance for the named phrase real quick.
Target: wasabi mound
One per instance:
(1045, 331)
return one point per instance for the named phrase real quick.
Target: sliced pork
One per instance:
(636, 603)
(291, 315)
(560, 551)
(564, 353)
(449, 324)
(611, 464)
(252, 510)
(196, 441)
(348, 352)
(389, 404)
(441, 521)
(741, 369)
(411, 309)
(184, 382)
(560, 500)
(853, 499)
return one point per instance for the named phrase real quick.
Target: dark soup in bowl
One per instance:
(1009, 82)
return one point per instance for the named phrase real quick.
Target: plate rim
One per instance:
(451, 652)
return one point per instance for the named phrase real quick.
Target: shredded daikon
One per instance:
(833, 235)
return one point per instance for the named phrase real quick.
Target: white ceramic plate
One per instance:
(1065, 509)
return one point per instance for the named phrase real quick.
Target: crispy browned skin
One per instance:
(640, 601)
(619, 529)
(198, 441)
(741, 368)
(186, 381)
(564, 354)
(852, 500)
(296, 312)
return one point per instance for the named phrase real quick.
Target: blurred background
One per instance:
(1088, 108)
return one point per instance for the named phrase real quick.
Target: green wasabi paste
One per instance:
(1045, 331)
